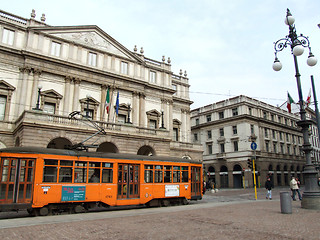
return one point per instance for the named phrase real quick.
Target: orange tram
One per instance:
(48, 181)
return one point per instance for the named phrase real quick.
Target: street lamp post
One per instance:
(88, 100)
(38, 100)
(311, 195)
(162, 120)
(129, 110)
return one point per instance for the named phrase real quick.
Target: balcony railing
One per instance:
(41, 118)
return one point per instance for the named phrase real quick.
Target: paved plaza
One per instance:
(228, 214)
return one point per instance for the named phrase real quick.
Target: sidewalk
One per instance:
(208, 219)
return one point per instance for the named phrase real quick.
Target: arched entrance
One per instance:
(271, 173)
(279, 175)
(224, 182)
(285, 171)
(107, 147)
(237, 176)
(59, 143)
(147, 151)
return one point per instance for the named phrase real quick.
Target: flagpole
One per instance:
(111, 97)
(316, 109)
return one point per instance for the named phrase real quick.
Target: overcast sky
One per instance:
(226, 46)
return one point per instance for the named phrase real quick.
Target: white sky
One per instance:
(226, 46)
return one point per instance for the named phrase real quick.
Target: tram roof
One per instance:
(39, 150)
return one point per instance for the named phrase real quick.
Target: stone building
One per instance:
(226, 129)
(54, 84)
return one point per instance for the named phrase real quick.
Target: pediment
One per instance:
(6, 86)
(92, 101)
(154, 113)
(90, 36)
(51, 93)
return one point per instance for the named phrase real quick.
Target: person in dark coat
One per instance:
(269, 187)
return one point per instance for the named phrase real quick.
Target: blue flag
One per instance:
(117, 103)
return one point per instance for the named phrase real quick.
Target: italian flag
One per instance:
(309, 98)
(108, 101)
(289, 101)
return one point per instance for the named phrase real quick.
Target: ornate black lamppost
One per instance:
(38, 100)
(311, 195)
(129, 110)
(162, 120)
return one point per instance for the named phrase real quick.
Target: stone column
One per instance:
(35, 84)
(66, 100)
(75, 105)
(135, 108)
(24, 88)
(142, 110)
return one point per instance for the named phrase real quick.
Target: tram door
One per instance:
(196, 181)
(16, 177)
(128, 181)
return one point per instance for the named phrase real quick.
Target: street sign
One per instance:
(253, 146)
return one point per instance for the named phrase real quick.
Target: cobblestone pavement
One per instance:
(227, 214)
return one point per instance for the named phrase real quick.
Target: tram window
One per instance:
(66, 163)
(22, 174)
(28, 190)
(65, 174)
(4, 174)
(176, 174)
(148, 174)
(167, 174)
(81, 164)
(12, 174)
(94, 174)
(107, 172)
(3, 191)
(158, 174)
(185, 174)
(30, 175)
(80, 175)
(50, 172)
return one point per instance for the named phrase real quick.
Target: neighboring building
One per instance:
(48, 72)
(226, 130)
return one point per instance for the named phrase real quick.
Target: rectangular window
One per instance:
(197, 121)
(92, 59)
(175, 134)
(209, 149)
(176, 174)
(152, 77)
(221, 130)
(80, 172)
(65, 171)
(273, 134)
(252, 129)
(221, 115)
(174, 87)
(107, 172)
(208, 118)
(235, 146)
(185, 174)
(55, 49)
(265, 115)
(221, 147)
(234, 111)
(7, 36)
(267, 146)
(234, 130)
(250, 111)
(275, 147)
(288, 150)
(49, 108)
(266, 132)
(158, 173)
(148, 173)
(94, 172)
(50, 170)
(152, 124)
(195, 137)
(3, 101)
(167, 174)
(124, 67)
(280, 135)
(281, 149)
(209, 133)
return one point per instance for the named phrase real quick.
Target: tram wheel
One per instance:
(166, 203)
(78, 209)
(43, 211)
(185, 201)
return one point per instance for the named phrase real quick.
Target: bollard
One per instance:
(285, 202)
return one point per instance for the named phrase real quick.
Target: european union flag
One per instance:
(117, 103)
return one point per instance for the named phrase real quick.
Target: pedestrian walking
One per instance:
(294, 185)
(269, 186)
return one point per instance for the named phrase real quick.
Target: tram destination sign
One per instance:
(73, 193)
